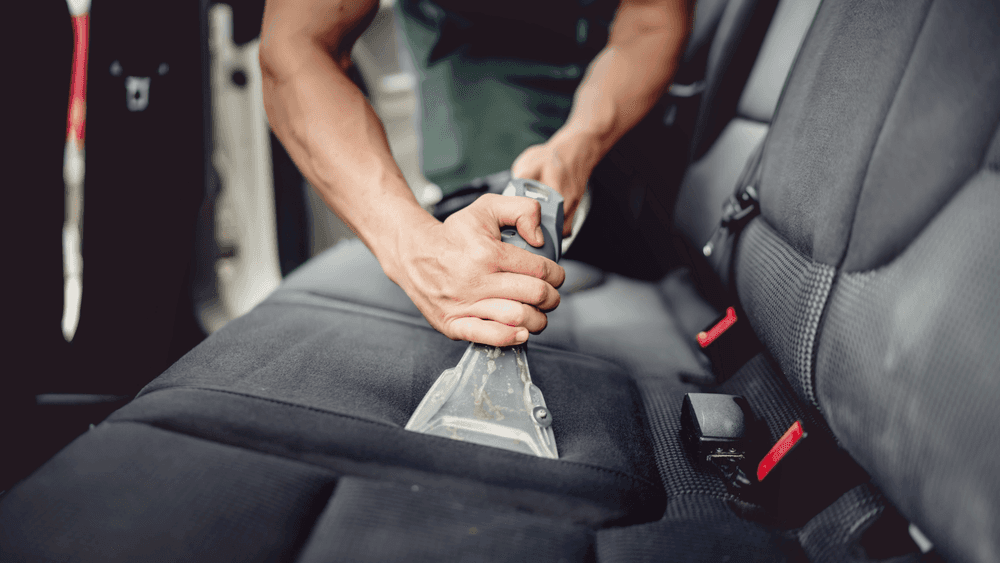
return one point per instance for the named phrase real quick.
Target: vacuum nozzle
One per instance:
(489, 397)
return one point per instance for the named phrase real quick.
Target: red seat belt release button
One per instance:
(709, 336)
(780, 449)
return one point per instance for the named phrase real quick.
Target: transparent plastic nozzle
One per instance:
(489, 399)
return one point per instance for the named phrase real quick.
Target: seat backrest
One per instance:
(868, 275)
(735, 47)
(744, 118)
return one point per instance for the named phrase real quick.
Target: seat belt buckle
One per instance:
(728, 343)
(792, 478)
(722, 431)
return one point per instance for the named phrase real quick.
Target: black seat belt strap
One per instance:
(742, 206)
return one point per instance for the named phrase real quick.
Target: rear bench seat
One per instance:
(867, 278)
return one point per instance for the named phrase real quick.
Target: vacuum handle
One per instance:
(552, 218)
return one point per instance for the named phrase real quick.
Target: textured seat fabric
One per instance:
(320, 378)
(867, 277)
(866, 273)
(907, 364)
(355, 375)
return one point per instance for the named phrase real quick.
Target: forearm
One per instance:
(336, 139)
(626, 78)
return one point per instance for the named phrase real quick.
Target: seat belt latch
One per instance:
(780, 449)
(707, 337)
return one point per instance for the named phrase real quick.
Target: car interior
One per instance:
(789, 350)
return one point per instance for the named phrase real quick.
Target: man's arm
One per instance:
(467, 284)
(622, 84)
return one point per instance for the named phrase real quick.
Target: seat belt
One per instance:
(737, 211)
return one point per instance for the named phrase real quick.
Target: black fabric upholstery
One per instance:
(703, 521)
(378, 521)
(713, 178)
(355, 374)
(838, 95)
(846, 149)
(350, 273)
(128, 492)
(784, 294)
(859, 527)
(907, 373)
(697, 529)
(945, 113)
(679, 474)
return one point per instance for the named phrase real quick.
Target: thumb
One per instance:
(522, 212)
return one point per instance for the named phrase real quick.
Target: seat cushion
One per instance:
(311, 377)
(332, 365)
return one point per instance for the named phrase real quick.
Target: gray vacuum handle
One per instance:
(552, 218)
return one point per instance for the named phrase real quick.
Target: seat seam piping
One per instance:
(382, 424)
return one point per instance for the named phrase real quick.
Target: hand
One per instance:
(554, 165)
(471, 286)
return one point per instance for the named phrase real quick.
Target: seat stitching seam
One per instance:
(336, 474)
(382, 424)
(269, 400)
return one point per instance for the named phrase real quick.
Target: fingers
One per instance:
(524, 289)
(519, 261)
(486, 332)
(524, 213)
(510, 313)
(474, 287)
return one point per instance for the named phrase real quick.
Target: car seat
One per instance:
(865, 274)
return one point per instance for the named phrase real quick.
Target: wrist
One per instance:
(395, 239)
(579, 150)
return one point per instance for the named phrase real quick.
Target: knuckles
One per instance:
(544, 324)
(541, 294)
(519, 317)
